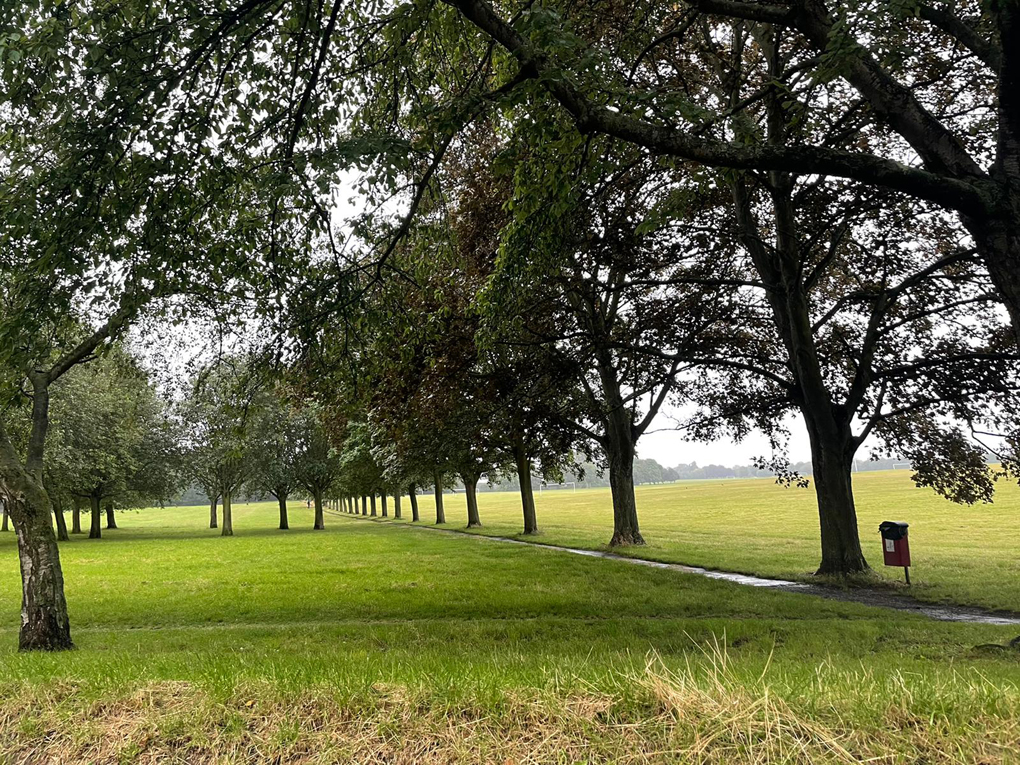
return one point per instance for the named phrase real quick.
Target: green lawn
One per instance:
(961, 554)
(370, 643)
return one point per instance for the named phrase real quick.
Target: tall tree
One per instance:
(316, 462)
(608, 274)
(276, 434)
(218, 453)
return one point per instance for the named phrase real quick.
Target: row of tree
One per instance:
(571, 213)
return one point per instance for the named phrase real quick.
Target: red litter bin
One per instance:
(895, 546)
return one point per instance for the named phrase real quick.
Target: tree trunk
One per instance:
(76, 516)
(111, 522)
(998, 236)
(471, 495)
(228, 516)
(384, 512)
(396, 504)
(212, 512)
(364, 505)
(412, 493)
(440, 512)
(5, 526)
(96, 530)
(320, 519)
(999, 242)
(58, 514)
(372, 499)
(282, 499)
(832, 454)
(527, 492)
(619, 447)
(44, 622)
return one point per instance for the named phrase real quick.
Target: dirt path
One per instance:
(865, 596)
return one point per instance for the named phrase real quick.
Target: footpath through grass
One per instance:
(961, 554)
(369, 643)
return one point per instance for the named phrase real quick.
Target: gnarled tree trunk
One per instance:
(828, 425)
(44, 622)
(228, 515)
(618, 444)
(999, 241)
(440, 511)
(111, 521)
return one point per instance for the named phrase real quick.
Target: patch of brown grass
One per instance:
(702, 713)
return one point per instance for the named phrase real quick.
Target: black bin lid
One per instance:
(893, 529)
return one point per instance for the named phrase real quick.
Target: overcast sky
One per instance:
(668, 447)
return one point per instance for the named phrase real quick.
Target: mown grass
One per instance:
(960, 554)
(366, 642)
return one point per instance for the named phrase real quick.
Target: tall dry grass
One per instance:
(705, 711)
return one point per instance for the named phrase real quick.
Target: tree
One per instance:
(316, 462)
(111, 439)
(848, 287)
(99, 223)
(619, 292)
(218, 452)
(277, 431)
(44, 623)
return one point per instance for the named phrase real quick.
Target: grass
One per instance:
(961, 554)
(369, 643)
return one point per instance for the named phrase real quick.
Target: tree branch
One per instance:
(982, 47)
(954, 193)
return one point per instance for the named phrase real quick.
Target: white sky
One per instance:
(668, 447)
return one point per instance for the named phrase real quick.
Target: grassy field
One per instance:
(371, 643)
(968, 555)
